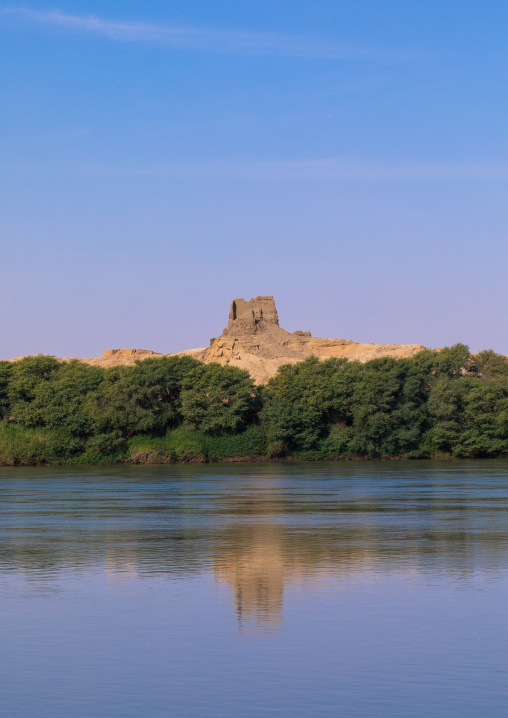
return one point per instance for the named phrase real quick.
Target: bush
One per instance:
(142, 398)
(218, 399)
(303, 399)
(249, 443)
(5, 375)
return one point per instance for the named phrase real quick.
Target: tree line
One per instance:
(447, 403)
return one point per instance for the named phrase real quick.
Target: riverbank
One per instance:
(446, 404)
(21, 446)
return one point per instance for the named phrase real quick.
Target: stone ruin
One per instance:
(254, 340)
(252, 316)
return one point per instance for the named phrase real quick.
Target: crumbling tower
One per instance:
(250, 317)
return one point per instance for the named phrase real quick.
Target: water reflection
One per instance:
(256, 528)
(250, 557)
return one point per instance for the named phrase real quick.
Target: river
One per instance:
(304, 590)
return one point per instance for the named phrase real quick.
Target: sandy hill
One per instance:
(253, 340)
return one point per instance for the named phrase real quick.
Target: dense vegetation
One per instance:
(436, 404)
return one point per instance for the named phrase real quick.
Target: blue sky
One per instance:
(158, 159)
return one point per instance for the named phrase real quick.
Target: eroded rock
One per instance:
(253, 340)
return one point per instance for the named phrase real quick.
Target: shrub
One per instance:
(218, 399)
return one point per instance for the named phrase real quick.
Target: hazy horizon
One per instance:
(159, 160)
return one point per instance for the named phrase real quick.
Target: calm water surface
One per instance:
(302, 590)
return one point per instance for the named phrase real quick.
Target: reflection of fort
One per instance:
(121, 566)
(259, 560)
(256, 571)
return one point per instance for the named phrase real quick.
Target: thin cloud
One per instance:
(198, 39)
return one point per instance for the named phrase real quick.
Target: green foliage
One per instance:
(336, 408)
(388, 409)
(186, 445)
(105, 444)
(21, 446)
(470, 417)
(55, 398)
(27, 378)
(218, 399)
(453, 361)
(142, 398)
(437, 403)
(177, 445)
(5, 374)
(24, 446)
(249, 443)
(490, 365)
(303, 399)
(445, 402)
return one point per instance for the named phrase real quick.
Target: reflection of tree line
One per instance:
(258, 541)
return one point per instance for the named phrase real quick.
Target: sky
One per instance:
(158, 159)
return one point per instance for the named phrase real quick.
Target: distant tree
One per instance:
(55, 395)
(491, 366)
(385, 409)
(445, 402)
(5, 375)
(453, 361)
(302, 399)
(27, 380)
(142, 398)
(219, 398)
(470, 418)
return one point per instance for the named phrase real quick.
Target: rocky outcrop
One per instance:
(253, 340)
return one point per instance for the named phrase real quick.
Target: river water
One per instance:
(303, 590)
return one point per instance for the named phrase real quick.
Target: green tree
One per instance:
(453, 361)
(302, 400)
(490, 366)
(142, 398)
(5, 375)
(470, 417)
(58, 397)
(27, 380)
(219, 398)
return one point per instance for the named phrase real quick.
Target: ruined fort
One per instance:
(254, 340)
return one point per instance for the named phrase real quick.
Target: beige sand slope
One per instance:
(253, 340)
